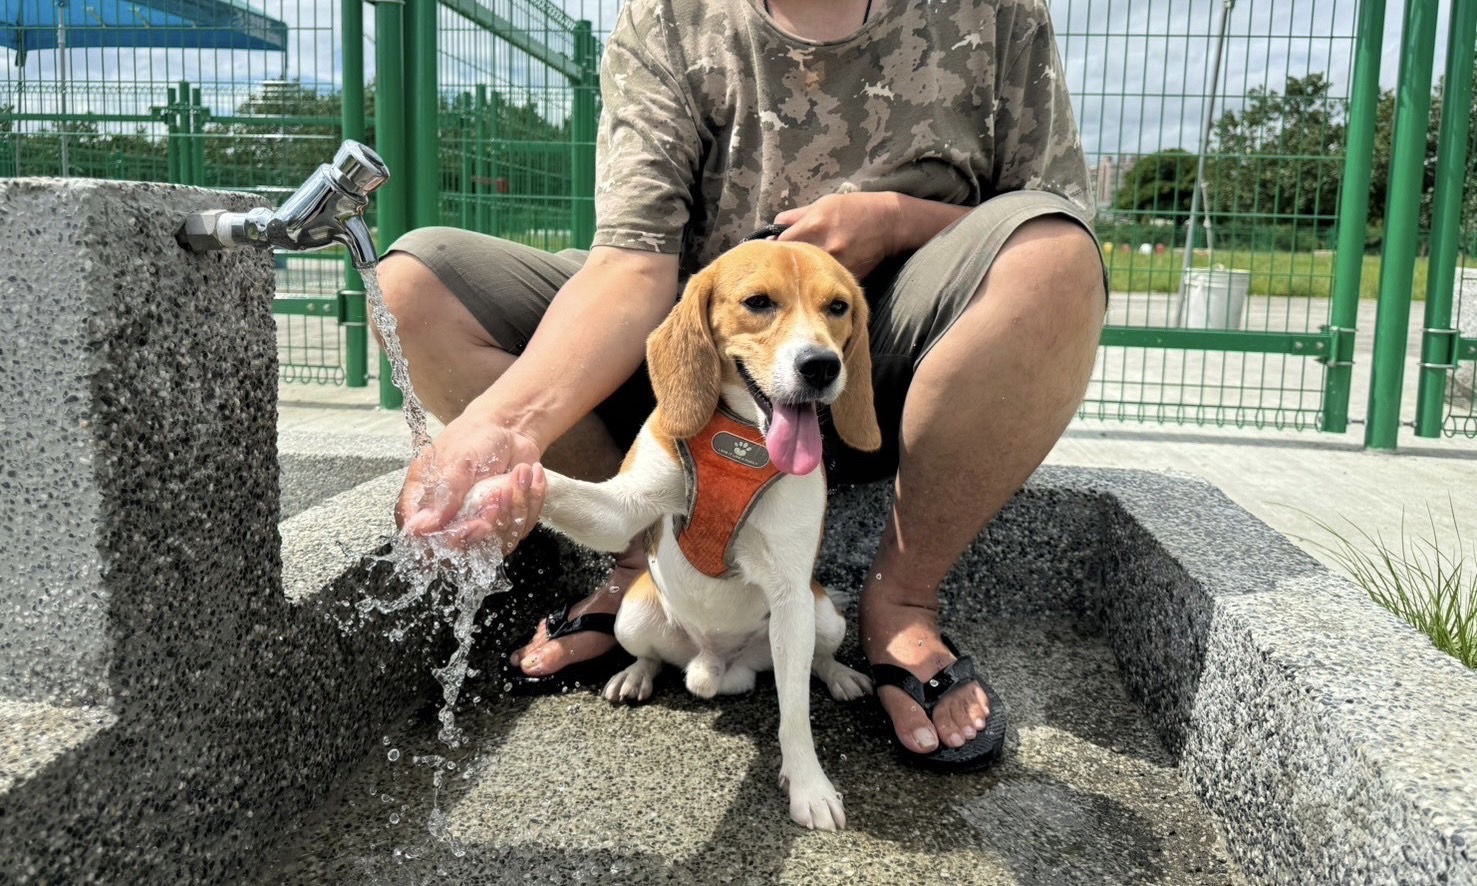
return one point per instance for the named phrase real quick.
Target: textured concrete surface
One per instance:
(166, 712)
(1331, 741)
(1168, 660)
(319, 465)
(681, 791)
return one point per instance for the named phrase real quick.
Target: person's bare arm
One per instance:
(589, 342)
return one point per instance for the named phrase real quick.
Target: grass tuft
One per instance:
(1431, 586)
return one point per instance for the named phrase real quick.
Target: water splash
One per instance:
(441, 578)
(384, 321)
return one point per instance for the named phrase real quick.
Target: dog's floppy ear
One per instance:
(853, 413)
(683, 363)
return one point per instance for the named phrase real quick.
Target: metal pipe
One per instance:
(425, 111)
(354, 314)
(1353, 212)
(582, 138)
(1215, 85)
(1402, 222)
(390, 138)
(1438, 343)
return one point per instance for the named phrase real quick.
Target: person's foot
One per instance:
(897, 630)
(542, 656)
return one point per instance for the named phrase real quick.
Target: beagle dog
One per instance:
(723, 479)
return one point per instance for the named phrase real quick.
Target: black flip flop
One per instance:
(590, 674)
(977, 753)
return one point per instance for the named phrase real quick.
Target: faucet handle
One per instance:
(360, 170)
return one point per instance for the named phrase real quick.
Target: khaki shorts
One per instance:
(914, 300)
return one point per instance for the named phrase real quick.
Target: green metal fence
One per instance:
(1447, 399)
(1258, 125)
(1261, 91)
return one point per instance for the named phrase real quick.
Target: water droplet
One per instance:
(394, 754)
(395, 819)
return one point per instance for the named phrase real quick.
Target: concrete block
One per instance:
(166, 710)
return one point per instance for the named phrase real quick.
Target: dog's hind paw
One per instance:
(846, 684)
(634, 684)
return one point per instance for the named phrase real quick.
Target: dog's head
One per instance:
(785, 324)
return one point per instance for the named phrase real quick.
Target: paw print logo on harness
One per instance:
(745, 452)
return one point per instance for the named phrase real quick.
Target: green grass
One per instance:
(1302, 274)
(1431, 586)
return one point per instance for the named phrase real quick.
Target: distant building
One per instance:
(1108, 176)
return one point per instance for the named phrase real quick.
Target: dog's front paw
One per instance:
(634, 684)
(814, 802)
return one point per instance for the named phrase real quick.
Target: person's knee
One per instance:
(408, 288)
(1052, 255)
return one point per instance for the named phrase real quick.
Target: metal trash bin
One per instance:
(1213, 298)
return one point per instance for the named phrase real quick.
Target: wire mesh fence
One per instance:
(1234, 128)
(1262, 95)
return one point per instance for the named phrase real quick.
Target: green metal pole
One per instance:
(172, 140)
(464, 136)
(425, 108)
(1438, 344)
(197, 138)
(1402, 222)
(1353, 217)
(353, 314)
(499, 224)
(187, 135)
(582, 138)
(480, 170)
(391, 201)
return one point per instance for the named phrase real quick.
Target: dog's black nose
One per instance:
(819, 368)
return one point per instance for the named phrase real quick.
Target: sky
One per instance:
(1139, 70)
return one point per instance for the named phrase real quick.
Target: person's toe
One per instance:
(909, 720)
(961, 714)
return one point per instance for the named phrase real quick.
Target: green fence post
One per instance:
(187, 135)
(425, 113)
(198, 114)
(172, 140)
(391, 201)
(468, 189)
(498, 222)
(353, 314)
(1353, 212)
(480, 172)
(582, 138)
(1438, 343)
(1402, 222)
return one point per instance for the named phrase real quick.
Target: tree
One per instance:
(1281, 155)
(1159, 185)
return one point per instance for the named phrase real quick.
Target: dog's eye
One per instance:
(838, 308)
(758, 303)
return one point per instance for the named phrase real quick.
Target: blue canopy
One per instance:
(170, 24)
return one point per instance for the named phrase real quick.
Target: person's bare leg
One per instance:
(1021, 355)
(452, 361)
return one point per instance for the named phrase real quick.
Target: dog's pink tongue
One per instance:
(794, 438)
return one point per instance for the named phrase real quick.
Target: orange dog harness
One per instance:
(727, 469)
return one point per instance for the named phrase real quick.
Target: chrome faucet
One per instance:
(327, 209)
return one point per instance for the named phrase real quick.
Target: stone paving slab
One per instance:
(682, 791)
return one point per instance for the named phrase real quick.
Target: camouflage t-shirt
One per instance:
(715, 119)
